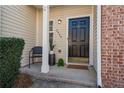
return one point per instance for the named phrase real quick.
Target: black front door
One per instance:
(79, 37)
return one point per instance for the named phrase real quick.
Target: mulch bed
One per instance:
(23, 81)
(83, 67)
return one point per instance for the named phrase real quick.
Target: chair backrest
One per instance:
(37, 50)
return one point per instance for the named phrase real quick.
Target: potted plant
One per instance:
(51, 48)
(60, 62)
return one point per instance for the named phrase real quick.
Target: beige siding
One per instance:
(94, 38)
(39, 27)
(64, 12)
(20, 21)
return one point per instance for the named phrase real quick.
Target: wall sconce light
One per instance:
(59, 21)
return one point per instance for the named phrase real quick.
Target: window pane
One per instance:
(51, 22)
(50, 25)
(51, 35)
(50, 29)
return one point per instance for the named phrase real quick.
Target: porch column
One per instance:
(45, 57)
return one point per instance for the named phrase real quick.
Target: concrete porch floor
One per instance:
(86, 78)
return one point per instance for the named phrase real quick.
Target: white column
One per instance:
(45, 57)
(99, 80)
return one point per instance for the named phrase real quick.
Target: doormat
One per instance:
(83, 67)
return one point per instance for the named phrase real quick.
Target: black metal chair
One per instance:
(35, 52)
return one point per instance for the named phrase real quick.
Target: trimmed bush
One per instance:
(10, 57)
(60, 62)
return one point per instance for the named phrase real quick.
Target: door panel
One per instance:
(82, 34)
(74, 34)
(79, 37)
(82, 49)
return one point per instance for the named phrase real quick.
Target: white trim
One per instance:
(91, 39)
(45, 58)
(91, 36)
(99, 80)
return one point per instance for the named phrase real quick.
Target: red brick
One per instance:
(113, 46)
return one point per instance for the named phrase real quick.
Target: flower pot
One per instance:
(52, 59)
(51, 52)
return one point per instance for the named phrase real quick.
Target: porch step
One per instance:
(77, 66)
(42, 76)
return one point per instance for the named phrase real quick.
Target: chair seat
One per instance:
(36, 55)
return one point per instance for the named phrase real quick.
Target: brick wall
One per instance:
(113, 46)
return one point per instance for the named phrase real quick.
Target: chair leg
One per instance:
(32, 60)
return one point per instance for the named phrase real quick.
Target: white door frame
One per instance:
(90, 38)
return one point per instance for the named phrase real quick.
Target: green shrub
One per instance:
(60, 62)
(10, 57)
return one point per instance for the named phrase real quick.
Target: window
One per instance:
(51, 32)
(50, 25)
